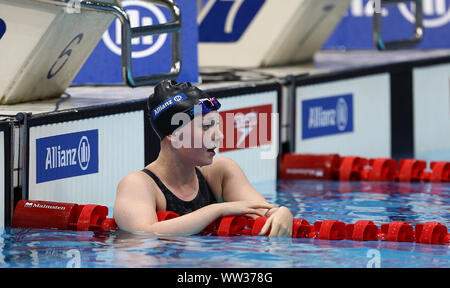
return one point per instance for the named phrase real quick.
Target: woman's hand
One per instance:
(279, 222)
(243, 207)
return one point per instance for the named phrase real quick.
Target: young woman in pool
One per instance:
(186, 178)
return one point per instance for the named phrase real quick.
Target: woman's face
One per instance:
(198, 140)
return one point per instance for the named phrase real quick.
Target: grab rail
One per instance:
(128, 33)
(398, 44)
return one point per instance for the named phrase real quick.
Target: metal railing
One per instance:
(398, 44)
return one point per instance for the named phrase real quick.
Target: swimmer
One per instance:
(186, 178)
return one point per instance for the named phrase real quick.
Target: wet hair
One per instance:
(168, 99)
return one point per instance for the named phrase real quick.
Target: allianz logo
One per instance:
(318, 117)
(140, 13)
(43, 206)
(57, 157)
(436, 12)
(166, 104)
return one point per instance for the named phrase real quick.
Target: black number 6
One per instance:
(66, 52)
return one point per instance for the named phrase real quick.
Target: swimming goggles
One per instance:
(207, 105)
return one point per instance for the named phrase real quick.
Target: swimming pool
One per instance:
(311, 200)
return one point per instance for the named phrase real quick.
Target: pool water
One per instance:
(310, 200)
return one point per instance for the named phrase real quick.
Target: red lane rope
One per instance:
(363, 230)
(353, 168)
(66, 216)
(63, 216)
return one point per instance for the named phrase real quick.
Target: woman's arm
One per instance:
(196, 221)
(236, 187)
(135, 210)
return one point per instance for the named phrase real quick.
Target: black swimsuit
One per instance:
(173, 203)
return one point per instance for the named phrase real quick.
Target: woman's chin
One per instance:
(207, 160)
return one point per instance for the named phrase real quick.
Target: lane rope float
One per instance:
(69, 216)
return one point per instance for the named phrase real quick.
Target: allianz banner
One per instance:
(355, 29)
(327, 116)
(151, 54)
(67, 155)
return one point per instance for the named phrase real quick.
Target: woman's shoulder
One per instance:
(135, 181)
(217, 170)
(219, 165)
(138, 175)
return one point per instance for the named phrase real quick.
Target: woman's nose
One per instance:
(217, 135)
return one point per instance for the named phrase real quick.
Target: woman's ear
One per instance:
(175, 139)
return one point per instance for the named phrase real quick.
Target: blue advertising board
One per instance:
(355, 29)
(327, 116)
(66, 155)
(151, 54)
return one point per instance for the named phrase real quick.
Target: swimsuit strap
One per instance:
(173, 203)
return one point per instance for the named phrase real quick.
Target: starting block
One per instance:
(45, 43)
(281, 32)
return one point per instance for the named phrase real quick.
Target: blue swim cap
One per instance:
(170, 98)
